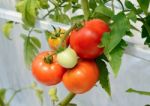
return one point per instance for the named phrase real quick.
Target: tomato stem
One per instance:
(67, 99)
(85, 7)
(48, 59)
(66, 35)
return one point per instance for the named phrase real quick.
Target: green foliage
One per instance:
(31, 48)
(144, 4)
(104, 75)
(7, 27)
(146, 30)
(110, 41)
(29, 11)
(102, 9)
(130, 90)
(116, 56)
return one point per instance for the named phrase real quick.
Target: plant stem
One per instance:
(85, 7)
(121, 5)
(112, 5)
(66, 34)
(67, 99)
(12, 97)
(48, 13)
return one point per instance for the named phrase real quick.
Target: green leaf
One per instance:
(76, 19)
(44, 4)
(7, 27)
(102, 9)
(104, 75)
(144, 4)
(146, 30)
(37, 30)
(31, 48)
(116, 57)
(130, 90)
(60, 17)
(29, 10)
(39, 94)
(132, 15)
(20, 6)
(129, 5)
(67, 7)
(92, 4)
(119, 28)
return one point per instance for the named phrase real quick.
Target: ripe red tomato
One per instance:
(85, 43)
(47, 73)
(98, 26)
(82, 77)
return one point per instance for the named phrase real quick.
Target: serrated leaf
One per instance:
(31, 48)
(102, 9)
(104, 75)
(116, 57)
(7, 27)
(130, 90)
(144, 4)
(29, 11)
(146, 30)
(132, 15)
(118, 29)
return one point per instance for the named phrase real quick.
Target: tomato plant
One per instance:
(82, 77)
(96, 34)
(67, 58)
(46, 70)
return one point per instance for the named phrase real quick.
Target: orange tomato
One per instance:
(82, 77)
(47, 73)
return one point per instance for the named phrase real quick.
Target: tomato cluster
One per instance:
(74, 66)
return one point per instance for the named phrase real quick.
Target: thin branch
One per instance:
(48, 13)
(112, 5)
(121, 5)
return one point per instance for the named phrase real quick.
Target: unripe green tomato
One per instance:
(67, 58)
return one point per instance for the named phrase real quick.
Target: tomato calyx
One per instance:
(48, 59)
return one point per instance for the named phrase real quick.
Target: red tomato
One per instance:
(82, 77)
(47, 73)
(98, 26)
(85, 43)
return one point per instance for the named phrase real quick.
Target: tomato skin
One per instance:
(85, 43)
(81, 78)
(45, 73)
(98, 26)
(67, 58)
